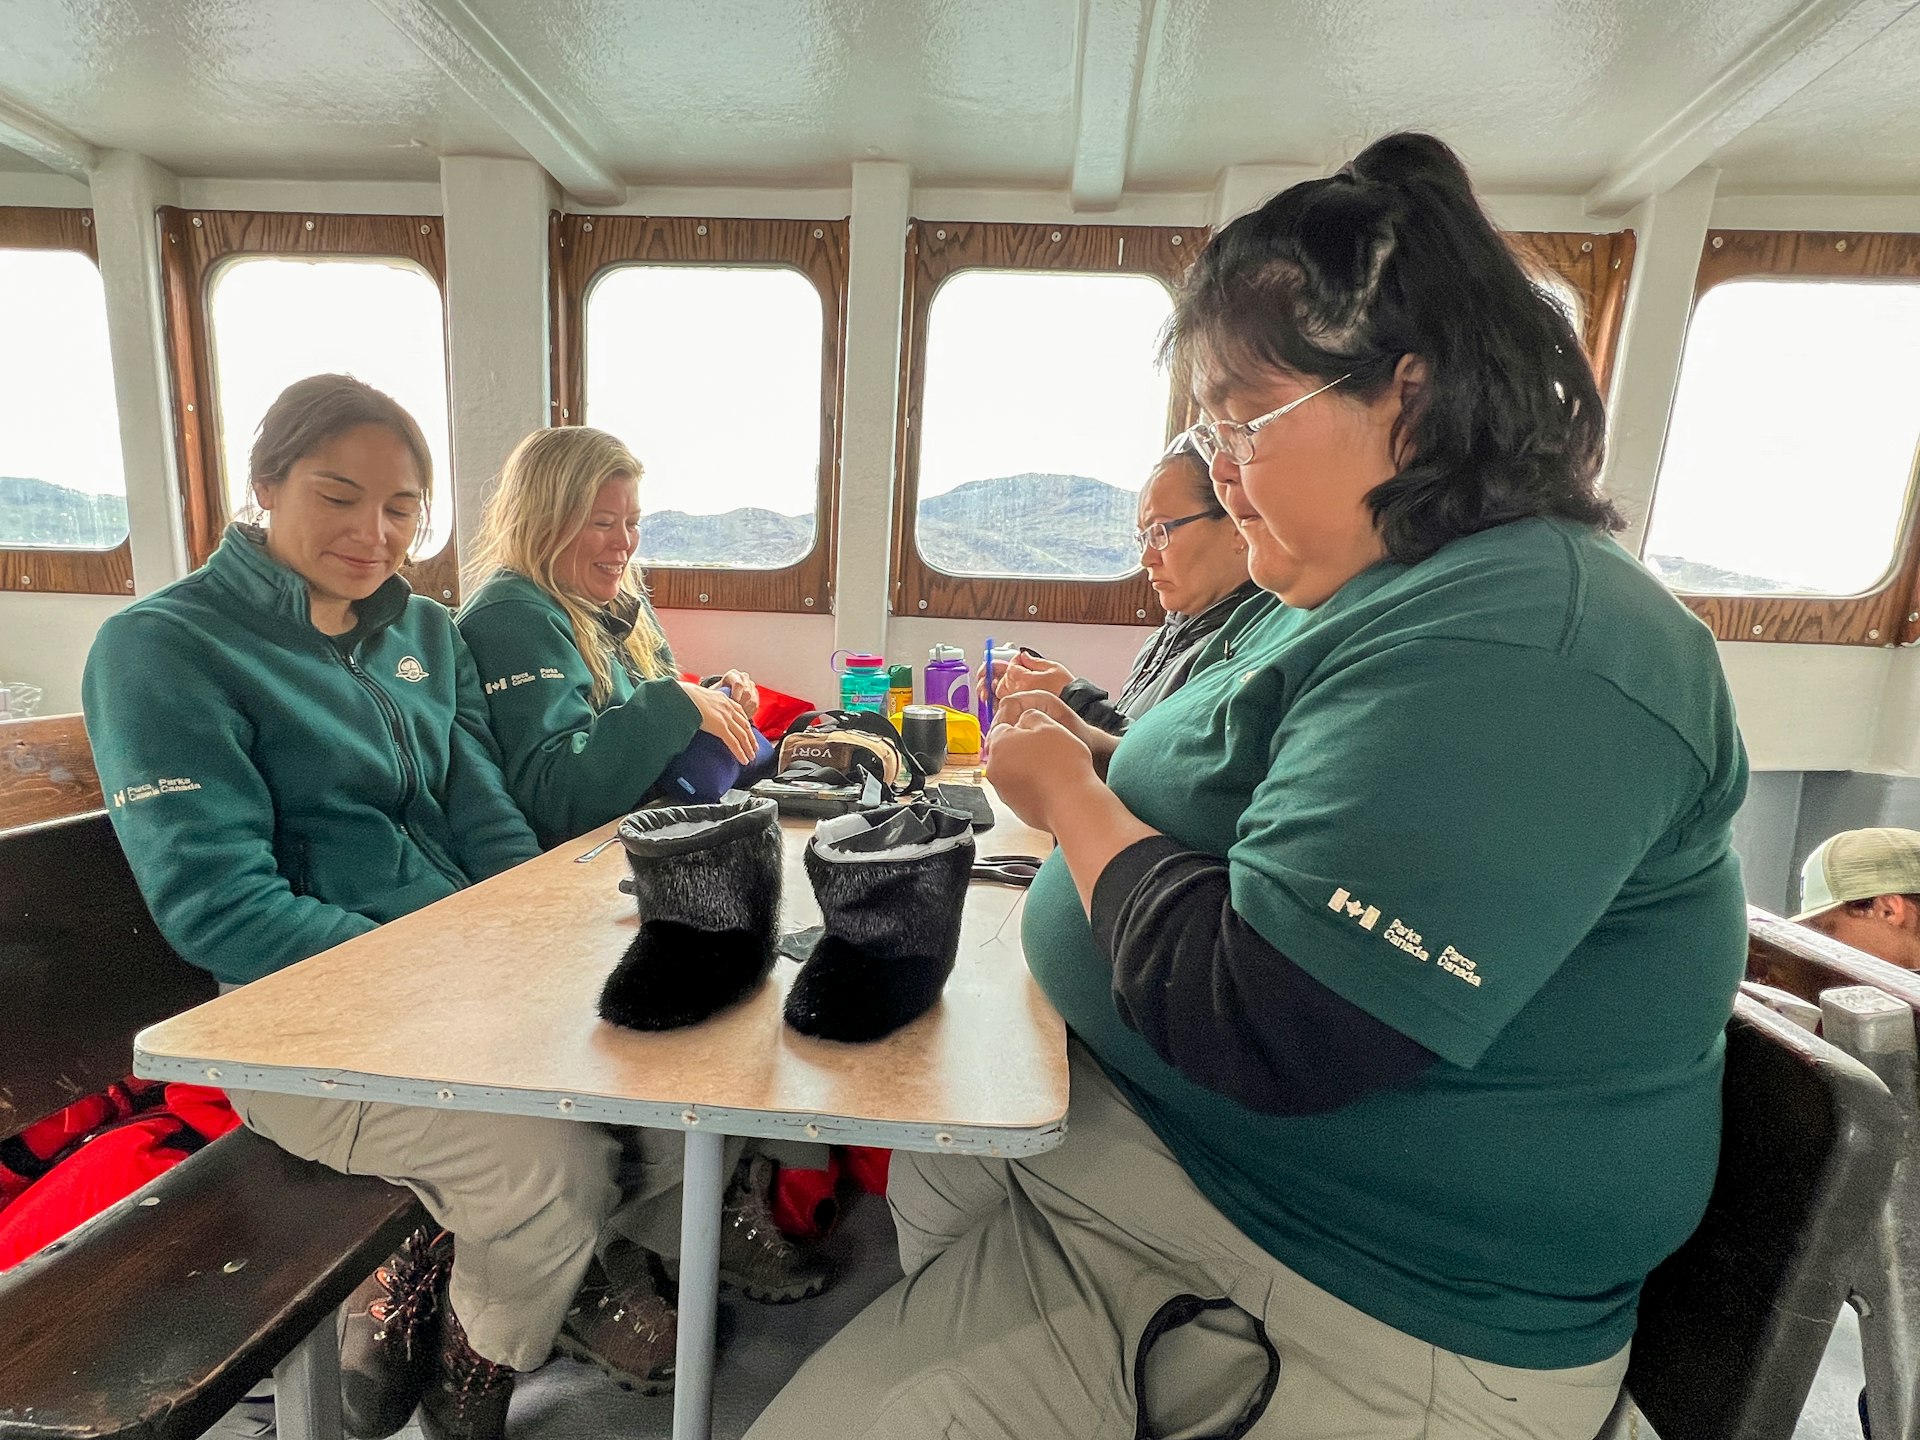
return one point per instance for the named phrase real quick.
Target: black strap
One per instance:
(1184, 1310)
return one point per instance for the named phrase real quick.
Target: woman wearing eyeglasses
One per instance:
(1396, 947)
(1196, 562)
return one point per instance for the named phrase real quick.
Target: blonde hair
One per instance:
(541, 502)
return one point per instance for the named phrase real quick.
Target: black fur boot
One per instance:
(707, 878)
(891, 885)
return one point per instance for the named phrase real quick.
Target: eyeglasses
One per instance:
(1235, 437)
(1154, 537)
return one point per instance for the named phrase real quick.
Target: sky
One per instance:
(58, 421)
(1792, 442)
(712, 378)
(1044, 372)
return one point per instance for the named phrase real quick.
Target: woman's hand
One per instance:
(1098, 742)
(746, 694)
(1027, 673)
(1033, 759)
(723, 719)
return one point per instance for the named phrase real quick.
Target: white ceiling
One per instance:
(1858, 129)
(1565, 96)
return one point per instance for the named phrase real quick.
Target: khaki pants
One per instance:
(528, 1199)
(1043, 1302)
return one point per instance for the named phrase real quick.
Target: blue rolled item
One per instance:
(706, 770)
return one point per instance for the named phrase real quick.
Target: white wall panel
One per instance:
(1806, 707)
(44, 640)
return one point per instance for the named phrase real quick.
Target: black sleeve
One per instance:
(1221, 1005)
(1090, 703)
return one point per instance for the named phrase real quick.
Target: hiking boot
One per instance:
(387, 1343)
(622, 1325)
(467, 1395)
(755, 1258)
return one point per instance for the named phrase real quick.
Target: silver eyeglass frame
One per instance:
(1213, 437)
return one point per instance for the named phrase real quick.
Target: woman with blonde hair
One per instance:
(586, 704)
(581, 686)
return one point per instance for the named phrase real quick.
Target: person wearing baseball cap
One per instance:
(1862, 888)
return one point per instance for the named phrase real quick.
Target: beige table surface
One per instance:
(485, 1001)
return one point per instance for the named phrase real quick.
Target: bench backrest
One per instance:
(1733, 1325)
(1792, 957)
(82, 967)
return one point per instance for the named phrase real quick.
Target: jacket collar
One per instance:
(1219, 610)
(243, 565)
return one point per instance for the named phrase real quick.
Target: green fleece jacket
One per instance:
(570, 764)
(278, 791)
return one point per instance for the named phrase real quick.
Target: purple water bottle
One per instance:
(947, 681)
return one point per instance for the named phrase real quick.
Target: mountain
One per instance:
(1029, 524)
(1695, 577)
(36, 512)
(747, 538)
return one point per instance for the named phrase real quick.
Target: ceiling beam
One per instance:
(39, 139)
(1113, 60)
(459, 42)
(1817, 36)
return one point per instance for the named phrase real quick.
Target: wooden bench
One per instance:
(156, 1317)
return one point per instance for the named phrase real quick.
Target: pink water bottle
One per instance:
(947, 680)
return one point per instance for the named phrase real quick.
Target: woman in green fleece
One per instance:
(588, 710)
(296, 751)
(580, 683)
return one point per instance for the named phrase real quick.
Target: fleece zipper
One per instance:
(409, 773)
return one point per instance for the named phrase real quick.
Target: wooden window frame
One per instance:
(1599, 268)
(194, 244)
(1890, 613)
(585, 247)
(938, 250)
(49, 571)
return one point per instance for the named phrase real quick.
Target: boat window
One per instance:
(62, 485)
(711, 376)
(275, 320)
(63, 488)
(258, 299)
(1781, 508)
(714, 347)
(1790, 452)
(1044, 409)
(1035, 409)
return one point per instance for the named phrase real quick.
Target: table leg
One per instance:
(699, 1286)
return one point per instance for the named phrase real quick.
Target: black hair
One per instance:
(1391, 257)
(312, 412)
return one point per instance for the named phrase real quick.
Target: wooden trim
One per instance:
(193, 244)
(937, 250)
(1599, 268)
(46, 771)
(1889, 614)
(586, 246)
(53, 571)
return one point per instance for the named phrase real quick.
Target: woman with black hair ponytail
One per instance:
(1375, 1129)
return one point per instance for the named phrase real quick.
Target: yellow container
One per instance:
(963, 737)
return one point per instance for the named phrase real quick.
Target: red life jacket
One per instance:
(62, 1171)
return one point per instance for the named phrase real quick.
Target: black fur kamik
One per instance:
(892, 885)
(707, 880)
